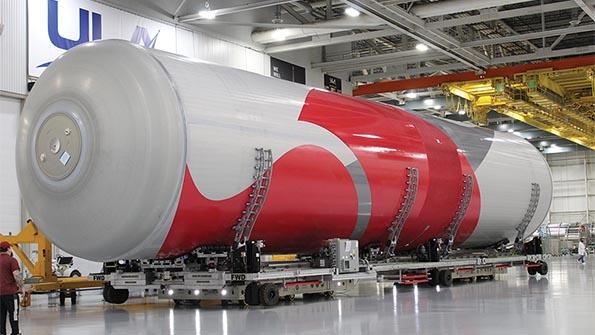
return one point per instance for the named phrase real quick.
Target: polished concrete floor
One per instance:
(563, 302)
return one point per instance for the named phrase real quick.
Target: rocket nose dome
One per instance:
(100, 152)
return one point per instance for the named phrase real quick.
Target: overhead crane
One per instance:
(555, 96)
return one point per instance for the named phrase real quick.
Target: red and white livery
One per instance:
(125, 152)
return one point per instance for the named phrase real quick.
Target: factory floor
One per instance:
(562, 302)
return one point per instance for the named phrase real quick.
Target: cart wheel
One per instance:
(542, 270)
(269, 294)
(62, 298)
(491, 277)
(434, 277)
(289, 298)
(113, 296)
(445, 277)
(329, 294)
(72, 297)
(251, 294)
(532, 271)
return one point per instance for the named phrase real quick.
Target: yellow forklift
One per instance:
(42, 278)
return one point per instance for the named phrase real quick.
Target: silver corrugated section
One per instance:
(13, 46)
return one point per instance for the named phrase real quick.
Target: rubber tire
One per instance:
(114, 296)
(532, 271)
(435, 277)
(543, 269)
(269, 294)
(72, 296)
(445, 278)
(252, 294)
(75, 273)
(62, 298)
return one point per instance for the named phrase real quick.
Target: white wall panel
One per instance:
(257, 62)
(10, 199)
(569, 204)
(184, 42)
(574, 187)
(225, 53)
(13, 47)
(238, 57)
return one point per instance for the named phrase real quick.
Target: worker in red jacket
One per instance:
(11, 282)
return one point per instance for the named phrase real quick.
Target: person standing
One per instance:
(10, 286)
(582, 251)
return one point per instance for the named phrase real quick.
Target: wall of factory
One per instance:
(227, 53)
(13, 47)
(56, 26)
(10, 203)
(573, 174)
(13, 83)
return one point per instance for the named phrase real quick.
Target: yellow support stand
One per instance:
(42, 277)
(42, 268)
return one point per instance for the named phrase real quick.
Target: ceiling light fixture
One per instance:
(279, 34)
(411, 95)
(207, 13)
(421, 47)
(350, 11)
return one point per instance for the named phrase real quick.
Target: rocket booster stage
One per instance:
(125, 153)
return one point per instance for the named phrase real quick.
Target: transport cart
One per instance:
(244, 276)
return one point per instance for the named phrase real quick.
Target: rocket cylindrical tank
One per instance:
(125, 152)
